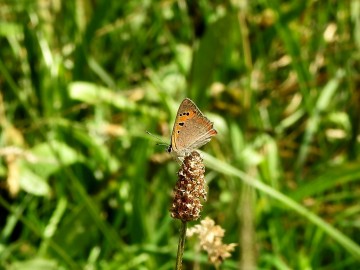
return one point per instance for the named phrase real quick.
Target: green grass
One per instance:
(83, 186)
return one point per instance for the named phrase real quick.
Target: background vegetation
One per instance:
(84, 187)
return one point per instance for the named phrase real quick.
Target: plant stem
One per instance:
(181, 245)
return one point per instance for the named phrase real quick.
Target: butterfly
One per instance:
(191, 130)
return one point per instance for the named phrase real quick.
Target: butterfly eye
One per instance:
(169, 149)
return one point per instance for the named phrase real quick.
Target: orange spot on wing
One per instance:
(213, 132)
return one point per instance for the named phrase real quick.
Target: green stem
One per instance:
(181, 245)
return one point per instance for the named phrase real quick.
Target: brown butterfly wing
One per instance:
(191, 129)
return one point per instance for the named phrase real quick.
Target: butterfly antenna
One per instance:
(158, 138)
(162, 143)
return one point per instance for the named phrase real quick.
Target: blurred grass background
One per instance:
(84, 187)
